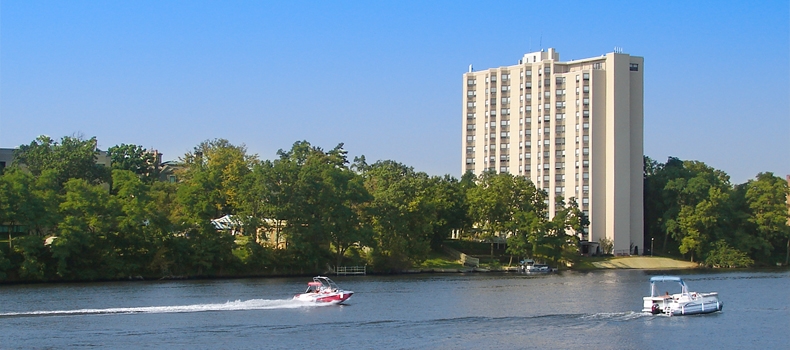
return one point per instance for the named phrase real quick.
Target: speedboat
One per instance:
(683, 303)
(323, 290)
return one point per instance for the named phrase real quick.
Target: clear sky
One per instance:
(383, 77)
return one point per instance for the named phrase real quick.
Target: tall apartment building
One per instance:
(574, 128)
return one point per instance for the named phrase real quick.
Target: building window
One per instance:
(634, 67)
(470, 82)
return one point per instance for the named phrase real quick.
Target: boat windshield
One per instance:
(659, 283)
(326, 282)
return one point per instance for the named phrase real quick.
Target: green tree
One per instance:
(136, 159)
(402, 213)
(5, 265)
(320, 200)
(82, 247)
(35, 256)
(28, 203)
(217, 168)
(703, 202)
(723, 255)
(766, 197)
(451, 208)
(71, 158)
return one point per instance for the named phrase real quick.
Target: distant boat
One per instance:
(324, 290)
(683, 303)
(529, 266)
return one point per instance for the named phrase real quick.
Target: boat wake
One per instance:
(253, 304)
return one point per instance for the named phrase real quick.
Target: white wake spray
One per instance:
(253, 304)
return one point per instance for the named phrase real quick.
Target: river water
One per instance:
(597, 310)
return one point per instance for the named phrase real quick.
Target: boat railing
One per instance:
(351, 270)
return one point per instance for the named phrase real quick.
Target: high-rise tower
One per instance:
(574, 128)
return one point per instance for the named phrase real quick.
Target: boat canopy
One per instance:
(317, 284)
(654, 292)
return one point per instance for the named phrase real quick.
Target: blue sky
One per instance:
(385, 78)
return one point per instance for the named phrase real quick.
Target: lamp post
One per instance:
(652, 240)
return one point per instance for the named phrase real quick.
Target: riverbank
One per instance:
(644, 263)
(443, 265)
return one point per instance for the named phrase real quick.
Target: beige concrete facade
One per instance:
(574, 128)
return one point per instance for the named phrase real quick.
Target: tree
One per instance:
(702, 200)
(82, 247)
(217, 168)
(497, 198)
(451, 208)
(722, 255)
(71, 158)
(402, 213)
(29, 204)
(766, 197)
(136, 159)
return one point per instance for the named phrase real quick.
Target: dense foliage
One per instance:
(693, 210)
(68, 218)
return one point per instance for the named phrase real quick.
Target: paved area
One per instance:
(644, 262)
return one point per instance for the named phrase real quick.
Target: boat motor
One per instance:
(655, 309)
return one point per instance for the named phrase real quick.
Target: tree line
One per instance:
(69, 218)
(692, 210)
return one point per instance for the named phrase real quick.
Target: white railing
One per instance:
(351, 270)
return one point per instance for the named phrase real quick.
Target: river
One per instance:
(595, 310)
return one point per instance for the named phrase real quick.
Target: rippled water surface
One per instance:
(440, 311)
